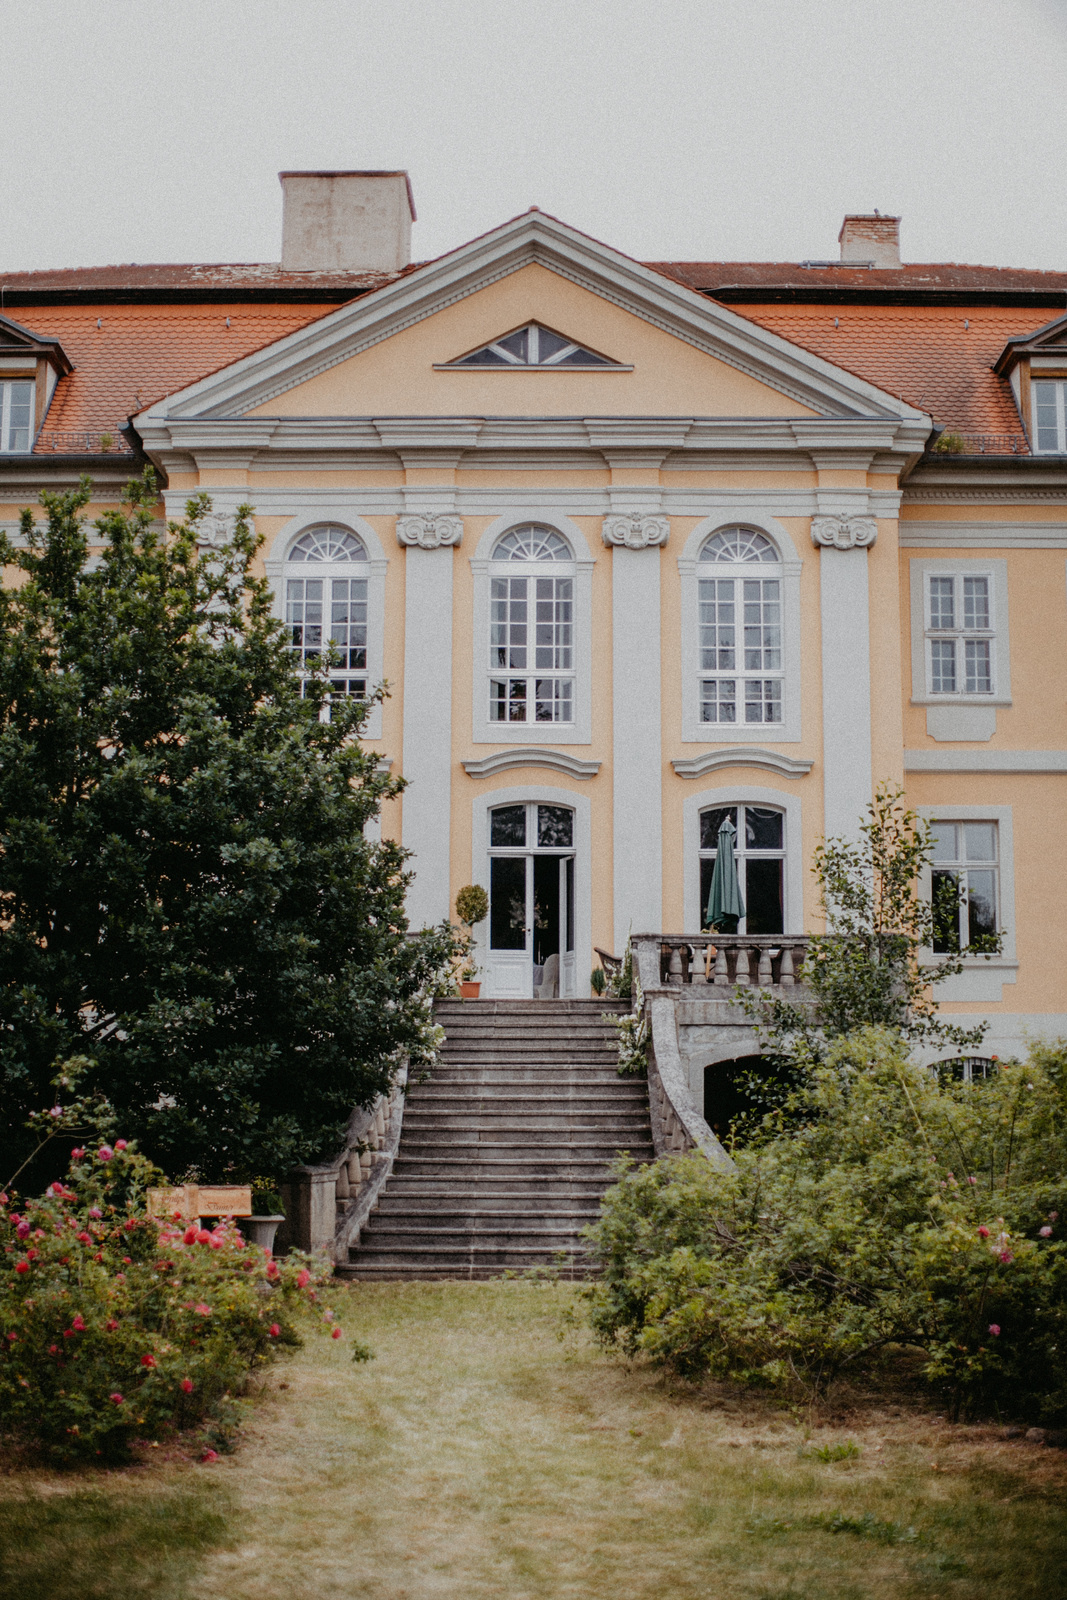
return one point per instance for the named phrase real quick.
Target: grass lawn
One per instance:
(479, 1457)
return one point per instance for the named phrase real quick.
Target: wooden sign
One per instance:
(191, 1201)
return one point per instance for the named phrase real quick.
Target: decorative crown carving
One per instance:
(429, 530)
(844, 533)
(215, 529)
(636, 530)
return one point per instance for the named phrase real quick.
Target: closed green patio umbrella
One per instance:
(725, 905)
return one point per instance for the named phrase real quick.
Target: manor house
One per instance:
(636, 546)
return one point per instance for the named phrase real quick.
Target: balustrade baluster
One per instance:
(786, 978)
(721, 975)
(763, 976)
(697, 964)
(743, 975)
(674, 970)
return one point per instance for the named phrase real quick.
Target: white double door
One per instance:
(531, 904)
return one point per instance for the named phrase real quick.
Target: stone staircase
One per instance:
(506, 1148)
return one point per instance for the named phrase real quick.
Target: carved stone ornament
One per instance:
(215, 529)
(429, 530)
(844, 533)
(636, 530)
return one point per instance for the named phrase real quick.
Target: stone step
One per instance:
(459, 1210)
(546, 1119)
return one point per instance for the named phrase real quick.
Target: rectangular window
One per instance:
(757, 604)
(16, 415)
(965, 888)
(960, 634)
(307, 601)
(547, 694)
(1050, 416)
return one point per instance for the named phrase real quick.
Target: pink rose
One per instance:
(189, 1236)
(1045, 1232)
(120, 1144)
(85, 1238)
(994, 1328)
(77, 1154)
(78, 1324)
(972, 1180)
(275, 1330)
(23, 1229)
(1006, 1257)
(112, 1325)
(22, 1266)
(187, 1386)
(983, 1233)
(148, 1361)
(303, 1277)
(203, 1237)
(104, 1153)
(116, 1399)
(96, 1213)
(336, 1333)
(201, 1309)
(209, 1456)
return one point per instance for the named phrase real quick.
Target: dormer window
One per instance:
(533, 346)
(1050, 416)
(16, 415)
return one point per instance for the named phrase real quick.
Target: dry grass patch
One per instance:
(479, 1457)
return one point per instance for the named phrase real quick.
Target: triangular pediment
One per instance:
(532, 271)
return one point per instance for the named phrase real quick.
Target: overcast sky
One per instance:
(672, 129)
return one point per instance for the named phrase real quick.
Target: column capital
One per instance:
(844, 533)
(429, 530)
(636, 530)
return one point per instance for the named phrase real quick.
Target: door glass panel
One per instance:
(555, 827)
(546, 909)
(763, 896)
(711, 822)
(507, 826)
(763, 831)
(507, 902)
(569, 874)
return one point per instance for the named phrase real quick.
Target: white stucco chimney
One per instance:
(875, 239)
(348, 221)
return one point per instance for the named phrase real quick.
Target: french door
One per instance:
(531, 903)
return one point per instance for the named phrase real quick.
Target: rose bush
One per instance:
(898, 1211)
(115, 1327)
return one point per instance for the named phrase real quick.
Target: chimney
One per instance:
(346, 221)
(874, 239)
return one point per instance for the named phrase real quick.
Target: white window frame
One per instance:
(279, 569)
(1000, 653)
(1060, 384)
(6, 387)
(740, 794)
(691, 569)
(580, 569)
(982, 976)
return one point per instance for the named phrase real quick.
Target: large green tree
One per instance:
(188, 896)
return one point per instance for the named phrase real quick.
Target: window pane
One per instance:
(1045, 414)
(978, 671)
(763, 700)
(763, 626)
(981, 908)
(555, 827)
(711, 822)
(20, 415)
(507, 623)
(507, 902)
(763, 896)
(763, 831)
(943, 666)
(515, 344)
(718, 700)
(549, 344)
(946, 910)
(718, 639)
(942, 604)
(552, 699)
(348, 621)
(943, 835)
(976, 602)
(553, 619)
(507, 826)
(980, 841)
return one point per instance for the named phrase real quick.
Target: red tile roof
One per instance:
(938, 358)
(730, 279)
(140, 353)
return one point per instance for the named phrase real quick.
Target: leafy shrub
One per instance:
(900, 1212)
(472, 904)
(114, 1326)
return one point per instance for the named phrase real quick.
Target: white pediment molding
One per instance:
(533, 238)
(504, 760)
(743, 755)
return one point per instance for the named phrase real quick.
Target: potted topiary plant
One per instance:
(268, 1213)
(472, 906)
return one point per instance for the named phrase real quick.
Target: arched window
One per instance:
(759, 851)
(531, 628)
(326, 609)
(740, 622)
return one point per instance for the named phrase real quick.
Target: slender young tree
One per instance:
(188, 896)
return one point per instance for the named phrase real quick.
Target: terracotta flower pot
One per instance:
(470, 991)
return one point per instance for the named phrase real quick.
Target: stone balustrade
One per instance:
(724, 961)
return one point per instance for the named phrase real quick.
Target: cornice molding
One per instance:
(742, 756)
(844, 533)
(635, 530)
(429, 530)
(1038, 496)
(504, 760)
(983, 535)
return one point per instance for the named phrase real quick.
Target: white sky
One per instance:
(673, 129)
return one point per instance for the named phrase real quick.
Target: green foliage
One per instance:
(950, 444)
(598, 980)
(873, 967)
(900, 1212)
(115, 1327)
(620, 984)
(187, 894)
(472, 904)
